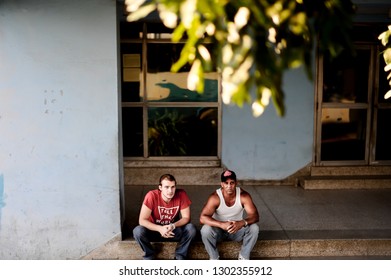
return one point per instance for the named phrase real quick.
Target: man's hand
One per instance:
(166, 231)
(233, 226)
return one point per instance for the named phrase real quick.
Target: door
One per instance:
(351, 112)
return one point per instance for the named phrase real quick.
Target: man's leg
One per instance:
(143, 237)
(250, 238)
(185, 236)
(210, 236)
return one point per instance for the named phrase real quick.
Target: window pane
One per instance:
(165, 86)
(131, 72)
(346, 78)
(162, 56)
(182, 131)
(132, 131)
(130, 92)
(171, 87)
(131, 30)
(343, 134)
(383, 139)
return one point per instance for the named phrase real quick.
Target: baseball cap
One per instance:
(228, 174)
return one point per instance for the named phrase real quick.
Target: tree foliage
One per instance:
(254, 41)
(386, 41)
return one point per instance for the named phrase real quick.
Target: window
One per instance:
(345, 105)
(160, 116)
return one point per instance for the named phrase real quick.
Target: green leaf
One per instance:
(142, 12)
(178, 33)
(384, 37)
(281, 31)
(387, 56)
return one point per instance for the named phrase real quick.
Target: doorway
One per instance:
(352, 115)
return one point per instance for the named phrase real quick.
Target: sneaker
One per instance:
(242, 258)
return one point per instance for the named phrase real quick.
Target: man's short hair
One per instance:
(168, 177)
(228, 174)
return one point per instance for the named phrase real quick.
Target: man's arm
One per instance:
(249, 207)
(185, 217)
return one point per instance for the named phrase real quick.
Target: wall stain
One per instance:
(2, 203)
(51, 101)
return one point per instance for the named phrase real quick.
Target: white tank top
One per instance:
(226, 213)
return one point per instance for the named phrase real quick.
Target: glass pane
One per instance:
(346, 78)
(343, 134)
(130, 92)
(131, 72)
(132, 131)
(383, 138)
(182, 131)
(165, 86)
(131, 30)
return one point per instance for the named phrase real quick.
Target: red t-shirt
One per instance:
(164, 213)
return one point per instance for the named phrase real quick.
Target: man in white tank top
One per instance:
(222, 218)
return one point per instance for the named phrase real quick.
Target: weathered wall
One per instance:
(59, 174)
(271, 147)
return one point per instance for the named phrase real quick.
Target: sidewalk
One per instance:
(294, 213)
(294, 224)
(298, 223)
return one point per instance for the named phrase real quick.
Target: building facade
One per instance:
(82, 95)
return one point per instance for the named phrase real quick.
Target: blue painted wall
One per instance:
(2, 197)
(59, 186)
(271, 147)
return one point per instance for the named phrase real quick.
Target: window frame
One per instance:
(144, 40)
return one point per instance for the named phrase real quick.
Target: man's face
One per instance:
(167, 189)
(229, 186)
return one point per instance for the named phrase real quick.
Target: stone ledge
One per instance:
(184, 175)
(264, 249)
(345, 182)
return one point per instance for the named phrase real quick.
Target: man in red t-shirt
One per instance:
(165, 216)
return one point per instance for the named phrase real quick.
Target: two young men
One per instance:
(165, 215)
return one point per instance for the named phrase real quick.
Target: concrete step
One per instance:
(199, 173)
(318, 171)
(346, 177)
(345, 182)
(185, 175)
(264, 249)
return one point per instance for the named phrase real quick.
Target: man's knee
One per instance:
(191, 230)
(138, 231)
(254, 229)
(206, 230)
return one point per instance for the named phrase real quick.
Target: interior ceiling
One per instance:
(366, 11)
